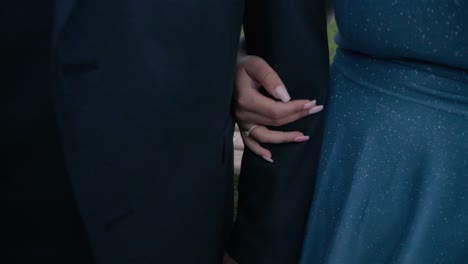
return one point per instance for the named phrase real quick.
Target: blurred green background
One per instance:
(332, 30)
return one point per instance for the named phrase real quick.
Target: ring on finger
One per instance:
(247, 132)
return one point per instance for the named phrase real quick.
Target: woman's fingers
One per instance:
(244, 117)
(261, 134)
(256, 148)
(254, 101)
(253, 72)
(265, 135)
(294, 117)
(253, 107)
(259, 70)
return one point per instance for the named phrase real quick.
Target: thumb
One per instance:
(259, 70)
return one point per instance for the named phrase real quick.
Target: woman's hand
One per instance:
(254, 111)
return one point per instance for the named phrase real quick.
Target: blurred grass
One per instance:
(332, 30)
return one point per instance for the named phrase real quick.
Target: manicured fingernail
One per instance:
(267, 159)
(316, 109)
(301, 139)
(282, 93)
(310, 104)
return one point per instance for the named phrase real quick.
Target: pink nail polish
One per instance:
(282, 94)
(316, 109)
(301, 139)
(310, 104)
(267, 159)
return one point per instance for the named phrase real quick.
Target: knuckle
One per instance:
(267, 75)
(272, 138)
(291, 136)
(303, 114)
(244, 102)
(243, 60)
(299, 108)
(250, 62)
(238, 115)
(240, 71)
(256, 61)
(261, 139)
(288, 110)
(274, 113)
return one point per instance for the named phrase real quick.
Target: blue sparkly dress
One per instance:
(392, 185)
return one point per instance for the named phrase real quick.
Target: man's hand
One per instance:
(254, 111)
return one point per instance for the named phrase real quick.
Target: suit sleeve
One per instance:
(274, 198)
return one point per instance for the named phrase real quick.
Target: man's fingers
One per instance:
(259, 70)
(265, 135)
(256, 148)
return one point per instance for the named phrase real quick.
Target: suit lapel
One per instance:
(63, 9)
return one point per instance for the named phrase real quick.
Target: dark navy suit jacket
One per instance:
(139, 95)
(142, 97)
